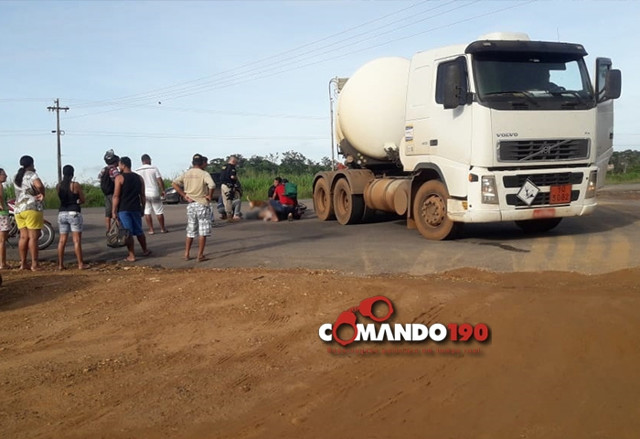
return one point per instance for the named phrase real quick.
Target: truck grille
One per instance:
(543, 150)
(511, 181)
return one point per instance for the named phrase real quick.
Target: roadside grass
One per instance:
(256, 185)
(627, 177)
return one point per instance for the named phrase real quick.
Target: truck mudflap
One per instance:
(458, 211)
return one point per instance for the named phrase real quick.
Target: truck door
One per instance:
(449, 127)
(604, 120)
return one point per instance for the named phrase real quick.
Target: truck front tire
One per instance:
(430, 211)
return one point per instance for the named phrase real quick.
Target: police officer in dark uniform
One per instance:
(229, 187)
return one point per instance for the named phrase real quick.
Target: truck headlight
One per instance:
(591, 186)
(489, 191)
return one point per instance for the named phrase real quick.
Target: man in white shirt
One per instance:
(154, 191)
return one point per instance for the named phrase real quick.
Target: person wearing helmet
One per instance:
(107, 179)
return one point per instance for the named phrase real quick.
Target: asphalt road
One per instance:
(605, 241)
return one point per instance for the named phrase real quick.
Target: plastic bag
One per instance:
(117, 236)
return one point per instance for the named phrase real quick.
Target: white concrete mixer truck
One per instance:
(502, 129)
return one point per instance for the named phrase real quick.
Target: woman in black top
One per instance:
(70, 216)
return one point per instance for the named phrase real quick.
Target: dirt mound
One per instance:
(128, 352)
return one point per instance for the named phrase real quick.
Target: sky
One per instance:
(172, 79)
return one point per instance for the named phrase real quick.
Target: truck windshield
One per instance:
(532, 81)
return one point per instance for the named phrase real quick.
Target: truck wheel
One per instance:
(349, 208)
(538, 225)
(430, 211)
(322, 203)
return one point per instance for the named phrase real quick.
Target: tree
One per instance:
(259, 164)
(293, 163)
(625, 161)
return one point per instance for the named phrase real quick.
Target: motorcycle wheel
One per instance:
(47, 235)
(13, 227)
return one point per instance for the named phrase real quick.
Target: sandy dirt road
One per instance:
(134, 352)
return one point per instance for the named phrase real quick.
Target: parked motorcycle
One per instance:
(47, 233)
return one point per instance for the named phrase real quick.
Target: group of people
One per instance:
(282, 203)
(129, 195)
(126, 194)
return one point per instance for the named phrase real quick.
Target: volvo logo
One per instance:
(546, 149)
(507, 134)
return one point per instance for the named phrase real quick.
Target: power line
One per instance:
(268, 72)
(202, 111)
(274, 62)
(187, 136)
(241, 76)
(259, 71)
(266, 75)
(153, 92)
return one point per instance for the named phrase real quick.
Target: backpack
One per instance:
(106, 183)
(290, 190)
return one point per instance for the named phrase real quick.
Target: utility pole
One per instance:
(57, 109)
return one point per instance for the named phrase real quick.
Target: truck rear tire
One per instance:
(322, 202)
(349, 208)
(540, 225)
(430, 211)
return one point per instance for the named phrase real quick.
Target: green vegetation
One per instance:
(257, 173)
(257, 185)
(626, 167)
(627, 177)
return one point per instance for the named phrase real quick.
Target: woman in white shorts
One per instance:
(70, 216)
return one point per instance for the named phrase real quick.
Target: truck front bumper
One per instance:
(510, 208)
(456, 212)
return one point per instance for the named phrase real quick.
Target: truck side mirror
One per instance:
(613, 84)
(455, 88)
(608, 81)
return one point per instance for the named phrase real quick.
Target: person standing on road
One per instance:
(154, 191)
(107, 178)
(128, 199)
(70, 216)
(28, 211)
(236, 205)
(229, 188)
(5, 224)
(196, 186)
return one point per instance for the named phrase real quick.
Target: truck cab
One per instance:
(501, 129)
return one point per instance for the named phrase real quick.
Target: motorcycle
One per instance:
(47, 233)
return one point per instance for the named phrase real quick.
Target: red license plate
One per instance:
(560, 194)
